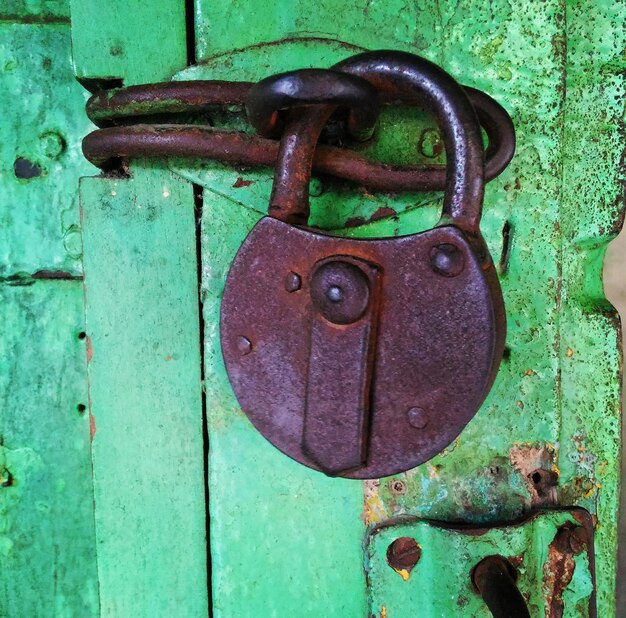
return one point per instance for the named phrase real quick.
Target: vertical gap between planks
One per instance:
(88, 352)
(198, 200)
(190, 31)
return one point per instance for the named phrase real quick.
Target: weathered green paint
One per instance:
(539, 414)
(224, 26)
(284, 540)
(439, 585)
(44, 121)
(35, 11)
(300, 551)
(145, 393)
(47, 536)
(47, 549)
(133, 40)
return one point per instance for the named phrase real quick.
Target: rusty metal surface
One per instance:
(141, 103)
(494, 578)
(347, 371)
(401, 72)
(313, 87)
(544, 566)
(107, 146)
(164, 98)
(438, 348)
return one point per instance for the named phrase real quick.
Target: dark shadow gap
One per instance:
(507, 233)
(190, 31)
(98, 84)
(198, 200)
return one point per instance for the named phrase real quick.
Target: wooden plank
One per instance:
(41, 11)
(592, 211)
(285, 540)
(226, 25)
(562, 335)
(43, 121)
(47, 546)
(132, 40)
(141, 296)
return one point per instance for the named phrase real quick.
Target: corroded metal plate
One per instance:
(437, 348)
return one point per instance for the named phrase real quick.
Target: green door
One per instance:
(133, 484)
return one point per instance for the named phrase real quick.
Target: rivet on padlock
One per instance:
(367, 357)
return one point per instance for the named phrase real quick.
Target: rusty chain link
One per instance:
(126, 119)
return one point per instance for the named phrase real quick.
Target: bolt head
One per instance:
(417, 418)
(316, 188)
(430, 144)
(403, 553)
(447, 260)
(293, 282)
(340, 291)
(244, 345)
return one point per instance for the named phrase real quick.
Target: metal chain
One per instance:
(123, 115)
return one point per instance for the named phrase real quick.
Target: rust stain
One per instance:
(89, 349)
(559, 568)
(355, 222)
(92, 425)
(536, 464)
(374, 510)
(382, 212)
(240, 182)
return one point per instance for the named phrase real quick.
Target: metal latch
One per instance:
(541, 566)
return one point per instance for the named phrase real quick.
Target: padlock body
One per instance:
(435, 348)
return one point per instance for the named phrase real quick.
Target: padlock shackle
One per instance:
(396, 73)
(406, 78)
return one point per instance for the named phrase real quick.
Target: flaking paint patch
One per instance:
(403, 573)
(92, 426)
(374, 510)
(537, 467)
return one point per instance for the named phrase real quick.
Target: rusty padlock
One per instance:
(364, 358)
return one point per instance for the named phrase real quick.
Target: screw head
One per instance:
(293, 282)
(340, 291)
(403, 553)
(398, 488)
(447, 260)
(417, 418)
(244, 345)
(430, 144)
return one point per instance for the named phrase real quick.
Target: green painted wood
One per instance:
(47, 537)
(141, 299)
(35, 11)
(592, 211)
(133, 40)
(439, 586)
(224, 26)
(47, 547)
(299, 551)
(558, 68)
(44, 120)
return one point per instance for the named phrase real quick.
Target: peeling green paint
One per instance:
(440, 584)
(284, 540)
(44, 120)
